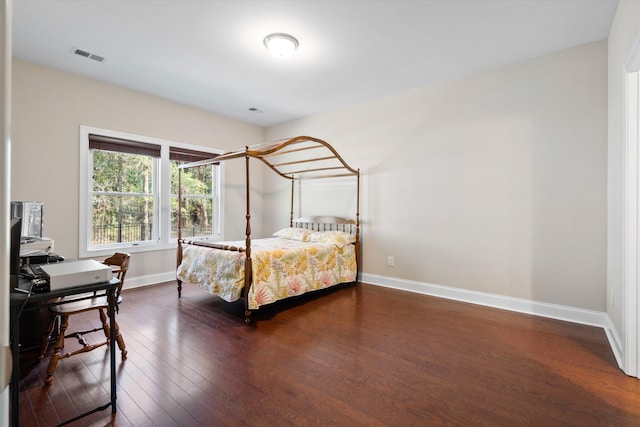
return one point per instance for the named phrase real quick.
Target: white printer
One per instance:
(76, 273)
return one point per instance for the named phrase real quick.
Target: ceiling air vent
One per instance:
(81, 53)
(87, 54)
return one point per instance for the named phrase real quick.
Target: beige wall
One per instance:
(48, 108)
(495, 182)
(625, 31)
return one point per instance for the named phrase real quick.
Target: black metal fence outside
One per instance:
(104, 234)
(192, 231)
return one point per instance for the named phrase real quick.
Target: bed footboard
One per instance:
(207, 244)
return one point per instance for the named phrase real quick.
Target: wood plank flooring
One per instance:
(356, 355)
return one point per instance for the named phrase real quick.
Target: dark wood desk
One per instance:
(21, 302)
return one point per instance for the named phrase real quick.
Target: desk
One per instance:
(21, 302)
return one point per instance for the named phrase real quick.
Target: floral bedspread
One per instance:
(281, 268)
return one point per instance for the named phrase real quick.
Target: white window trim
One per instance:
(629, 355)
(162, 211)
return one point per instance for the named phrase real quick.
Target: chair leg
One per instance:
(107, 330)
(53, 362)
(46, 339)
(105, 324)
(120, 341)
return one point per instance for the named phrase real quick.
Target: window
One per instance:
(198, 195)
(122, 195)
(129, 197)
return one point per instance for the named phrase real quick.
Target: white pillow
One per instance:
(293, 233)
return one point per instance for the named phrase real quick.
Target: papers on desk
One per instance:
(33, 244)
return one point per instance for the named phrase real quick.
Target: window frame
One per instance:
(182, 154)
(161, 191)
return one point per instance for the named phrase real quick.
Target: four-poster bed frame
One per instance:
(296, 159)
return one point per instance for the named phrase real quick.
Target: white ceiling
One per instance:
(209, 54)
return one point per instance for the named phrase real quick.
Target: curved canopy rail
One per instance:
(298, 158)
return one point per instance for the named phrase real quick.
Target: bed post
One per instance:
(247, 261)
(179, 253)
(292, 192)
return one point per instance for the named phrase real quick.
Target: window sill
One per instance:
(132, 248)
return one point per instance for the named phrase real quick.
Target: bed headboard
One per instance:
(325, 223)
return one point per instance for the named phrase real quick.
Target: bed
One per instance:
(312, 253)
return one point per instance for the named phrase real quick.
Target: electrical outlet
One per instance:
(391, 261)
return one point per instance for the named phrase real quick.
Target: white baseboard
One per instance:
(151, 279)
(521, 305)
(614, 340)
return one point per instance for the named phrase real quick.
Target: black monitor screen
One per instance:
(16, 226)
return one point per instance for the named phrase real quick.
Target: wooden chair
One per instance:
(99, 302)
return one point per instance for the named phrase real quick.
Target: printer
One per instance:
(69, 274)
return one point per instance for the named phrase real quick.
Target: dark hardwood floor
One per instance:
(357, 355)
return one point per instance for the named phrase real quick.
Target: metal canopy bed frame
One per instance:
(296, 159)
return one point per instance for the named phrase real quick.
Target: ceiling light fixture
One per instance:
(281, 45)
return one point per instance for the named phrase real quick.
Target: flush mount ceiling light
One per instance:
(281, 45)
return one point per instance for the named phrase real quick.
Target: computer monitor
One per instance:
(14, 265)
